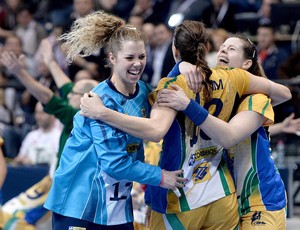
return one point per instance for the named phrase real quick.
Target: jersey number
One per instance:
(116, 192)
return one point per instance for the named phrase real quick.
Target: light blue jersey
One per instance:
(99, 163)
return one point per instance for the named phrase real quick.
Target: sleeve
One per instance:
(240, 80)
(166, 82)
(110, 144)
(259, 103)
(65, 90)
(61, 110)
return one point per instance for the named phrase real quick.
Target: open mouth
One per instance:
(223, 61)
(134, 72)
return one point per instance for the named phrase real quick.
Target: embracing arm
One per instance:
(152, 129)
(242, 125)
(223, 133)
(15, 66)
(277, 92)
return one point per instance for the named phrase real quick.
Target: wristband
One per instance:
(162, 179)
(196, 113)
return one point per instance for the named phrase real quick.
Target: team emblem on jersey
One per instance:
(255, 219)
(201, 173)
(131, 148)
(143, 111)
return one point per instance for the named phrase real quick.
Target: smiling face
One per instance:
(231, 53)
(128, 65)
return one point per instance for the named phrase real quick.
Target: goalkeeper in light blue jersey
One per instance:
(92, 185)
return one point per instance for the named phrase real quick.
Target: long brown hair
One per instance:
(191, 40)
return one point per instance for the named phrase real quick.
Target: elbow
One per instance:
(227, 142)
(289, 95)
(227, 145)
(157, 134)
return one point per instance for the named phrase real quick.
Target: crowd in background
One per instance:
(24, 24)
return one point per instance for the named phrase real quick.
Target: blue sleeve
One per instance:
(175, 71)
(111, 148)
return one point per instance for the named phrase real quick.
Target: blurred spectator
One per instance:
(270, 56)
(136, 21)
(59, 53)
(264, 12)
(289, 73)
(8, 16)
(162, 56)
(59, 10)
(123, 8)
(29, 30)
(82, 74)
(152, 11)
(106, 5)
(81, 8)
(148, 29)
(220, 14)
(247, 5)
(11, 108)
(40, 146)
(290, 68)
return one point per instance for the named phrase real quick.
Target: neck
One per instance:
(126, 89)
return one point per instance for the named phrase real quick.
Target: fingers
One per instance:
(177, 192)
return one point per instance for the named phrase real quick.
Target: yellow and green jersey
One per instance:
(258, 183)
(189, 148)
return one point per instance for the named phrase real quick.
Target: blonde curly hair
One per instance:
(97, 30)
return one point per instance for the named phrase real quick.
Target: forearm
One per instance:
(279, 93)
(223, 133)
(58, 75)
(275, 129)
(39, 91)
(139, 127)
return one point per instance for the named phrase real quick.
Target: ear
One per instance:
(111, 58)
(247, 64)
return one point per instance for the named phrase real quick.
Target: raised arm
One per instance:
(152, 129)
(16, 66)
(277, 92)
(57, 73)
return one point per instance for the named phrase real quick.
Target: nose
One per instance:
(137, 63)
(223, 49)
